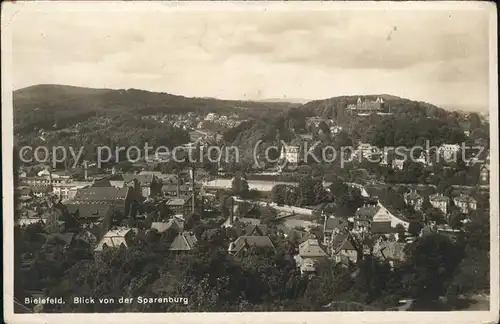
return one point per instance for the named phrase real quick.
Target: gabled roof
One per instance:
(412, 195)
(248, 221)
(390, 251)
(332, 223)
(65, 237)
(465, 199)
(291, 233)
(88, 211)
(163, 226)
(311, 249)
(183, 242)
(101, 194)
(439, 197)
(260, 229)
(178, 201)
(343, 241)
(366, 212)
(382, 215)
(250, 241)
(381, 228)
(113, 238)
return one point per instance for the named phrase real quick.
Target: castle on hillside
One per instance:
(367, 106)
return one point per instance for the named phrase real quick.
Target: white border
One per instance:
(8, 13)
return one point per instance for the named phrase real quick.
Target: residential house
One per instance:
(363, 218)
(381, 223)
(180, 206)
(91, 235)
(171, 223)
(413, 199)
(290, 153)
(390, 251)
(466, 203)
(183, 242)
(243, 243)
(310, 253)
(484, 175)
(293, 235)
(440, 202)
(92, 214)
(335, 129)
(395, 217)
(448, 151)
(344, 248)
(115, 238)
(66, 239)
(333, 225)
(398, 164)
(366, 150)
(256, 230)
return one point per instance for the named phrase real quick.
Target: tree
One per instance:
(414, 228)
(338, 187)
(239, 187)
(324, 127)
(456, 218)
(475, 121)
(191, 221)
(400, 230)
(432, 260)
(435, 215)
(278, 194)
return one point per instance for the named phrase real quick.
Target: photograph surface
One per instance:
(250, 160)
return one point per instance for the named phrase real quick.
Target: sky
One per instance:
(441, 57)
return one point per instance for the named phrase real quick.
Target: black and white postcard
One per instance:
(250, 162)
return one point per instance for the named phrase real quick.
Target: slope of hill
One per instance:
(42, 106)
(411, 123)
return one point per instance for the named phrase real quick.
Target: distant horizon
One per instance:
(301, 101)
(435, 56)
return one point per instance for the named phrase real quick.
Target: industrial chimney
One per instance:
(231, 210)
(178, 187)
(85, 169)
(193, 199)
